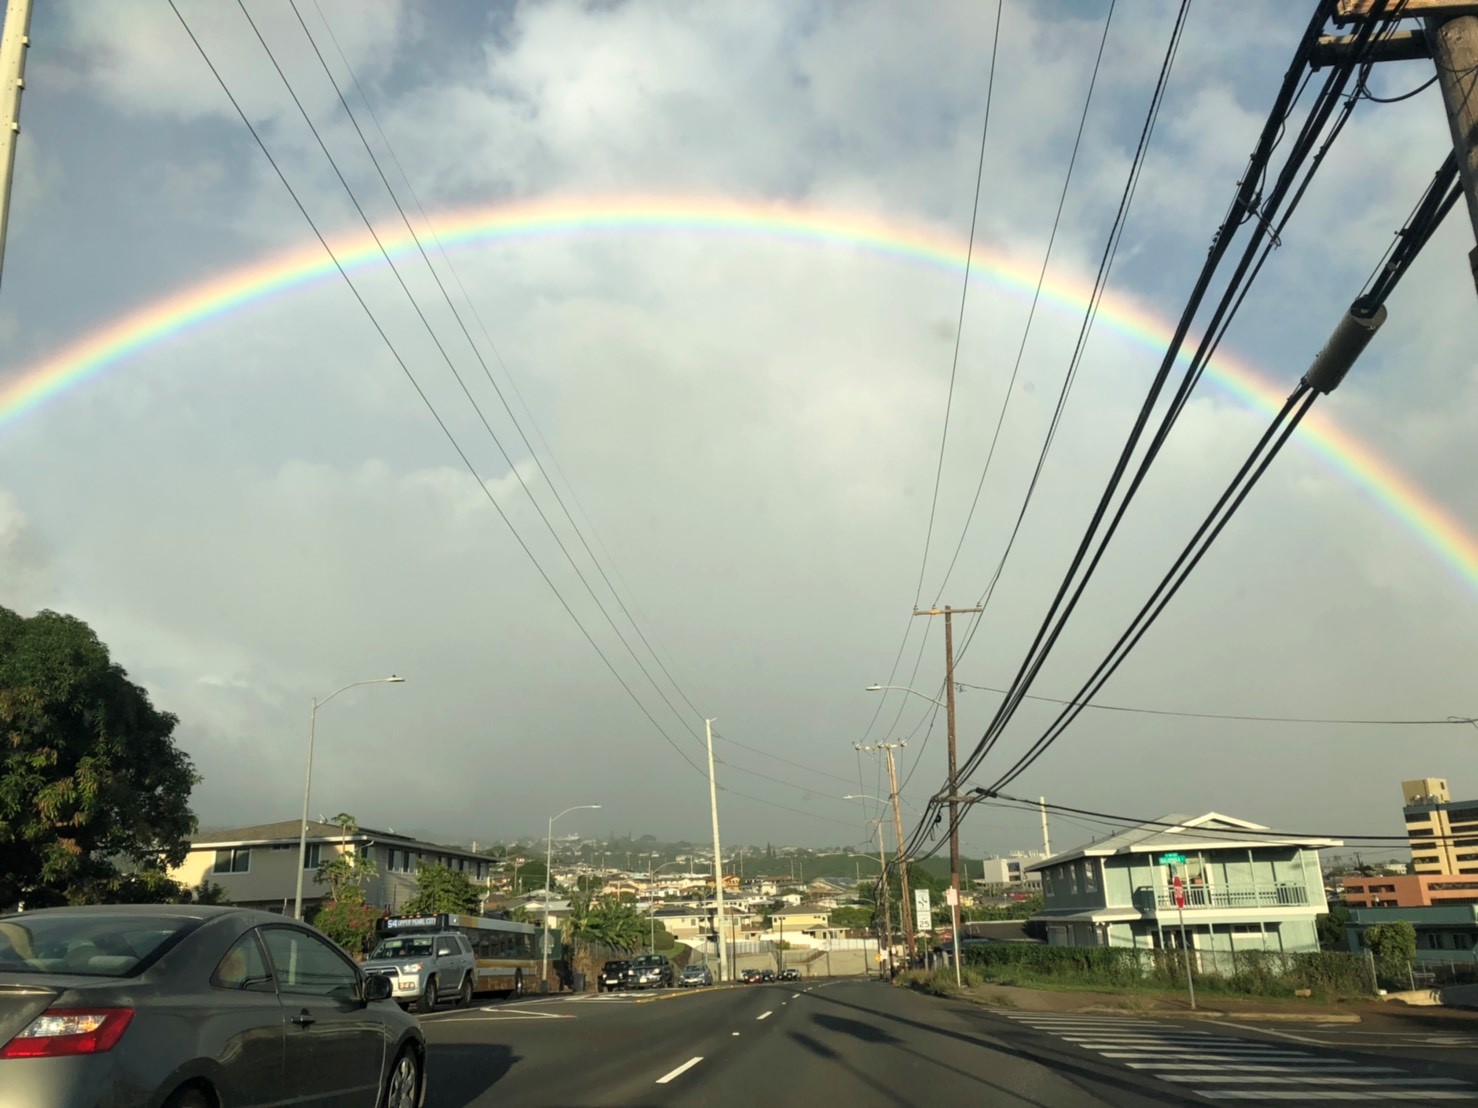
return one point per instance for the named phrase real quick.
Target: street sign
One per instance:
(923, 910)
(951, 897)
(1172, 859)
(1179, 890)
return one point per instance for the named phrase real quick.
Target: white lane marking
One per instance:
(1316, 1079)
(765, 1015)
(1330, 1094)
(736, 1034)
(682, 1069)
(1270, 1067)
(797, 996)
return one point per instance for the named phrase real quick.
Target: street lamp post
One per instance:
(308, 778)
(549, 861)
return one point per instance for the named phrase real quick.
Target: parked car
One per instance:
(193, 1006)
(751, 977)
(694, 976)
(612, 976)
(790, 973)
(650, 971)
(425, 966)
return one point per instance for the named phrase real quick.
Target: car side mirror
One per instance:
(376, 986)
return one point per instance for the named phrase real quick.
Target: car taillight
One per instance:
(62, 1031)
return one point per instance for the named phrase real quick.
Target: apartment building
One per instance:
(1443, 833)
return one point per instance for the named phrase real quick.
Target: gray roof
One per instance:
(288, 831)
(1179, 833)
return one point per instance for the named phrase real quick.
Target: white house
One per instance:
(1245, 887)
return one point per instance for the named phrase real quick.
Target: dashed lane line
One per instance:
(765, 1015)
(682, 1069)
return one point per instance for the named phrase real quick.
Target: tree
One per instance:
(614, 924)
(1393, 946)
(345, 917)
(443, 889)
(852, 918)
(1332, 928)
(92, 785)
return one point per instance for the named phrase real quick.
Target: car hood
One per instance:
(391, 963)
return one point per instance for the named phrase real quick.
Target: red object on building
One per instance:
(1179, 890)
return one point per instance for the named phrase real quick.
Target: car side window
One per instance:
(307, 964)
(244, 967)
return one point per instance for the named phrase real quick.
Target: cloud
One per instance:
(745, 428)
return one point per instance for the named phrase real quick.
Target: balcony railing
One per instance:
(1224, 896)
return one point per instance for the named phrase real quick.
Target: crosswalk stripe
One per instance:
(1226, 1067)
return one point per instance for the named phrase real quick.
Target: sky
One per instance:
(733, 435)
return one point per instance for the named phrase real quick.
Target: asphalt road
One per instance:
(856, 1044)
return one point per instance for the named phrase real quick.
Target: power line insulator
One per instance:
(1350, 338)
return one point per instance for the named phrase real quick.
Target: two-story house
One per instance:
(258, 866)
(1244, 886)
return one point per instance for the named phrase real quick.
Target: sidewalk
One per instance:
(1212, 1006)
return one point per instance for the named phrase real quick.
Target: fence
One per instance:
(1252, 973)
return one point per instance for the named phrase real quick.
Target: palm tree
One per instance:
(612, 924)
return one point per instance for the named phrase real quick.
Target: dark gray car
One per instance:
(184, 1006)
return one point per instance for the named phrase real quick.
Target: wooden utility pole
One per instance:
(906, 909)
(14, 40)
(1451, 41)
(949, 716)
(1455, 53)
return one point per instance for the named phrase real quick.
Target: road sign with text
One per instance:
(1172, 859)
(923, 909)
(1179, 890)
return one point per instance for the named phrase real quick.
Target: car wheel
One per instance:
(404, 1082)
(464, 997)
(427, 1001)
(518, 983)
(191, 1097)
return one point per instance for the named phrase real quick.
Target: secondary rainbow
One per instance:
(126, 337)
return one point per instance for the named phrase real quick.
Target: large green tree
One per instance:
(92, 786)
(442, 889)
(614, 924)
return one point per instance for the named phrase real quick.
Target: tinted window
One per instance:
(307, 964)
(87, 944)
(244, 967)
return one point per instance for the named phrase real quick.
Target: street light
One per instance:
(652, 899)
(905, 688)
(549, 861)
(308, 778)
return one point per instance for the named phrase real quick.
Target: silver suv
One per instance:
(425, 967)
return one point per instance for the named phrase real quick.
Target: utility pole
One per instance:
(14, 40)
(1454, 42)
(718, 864)
(905, 910)
(1449, 36)
(1046, 839)
(887, 931)
(954, 785)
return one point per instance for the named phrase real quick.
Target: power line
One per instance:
(954, 363)
(405, 369)
(1228, 716)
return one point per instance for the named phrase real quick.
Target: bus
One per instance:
(508, 953)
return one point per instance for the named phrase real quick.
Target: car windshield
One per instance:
(403, 946)
(89, 945)
(648, 960)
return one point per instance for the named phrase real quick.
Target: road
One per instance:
(860, 1043)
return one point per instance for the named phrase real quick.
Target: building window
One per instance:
(392, 860)
(368, 854)
(233, 860)
(1424, 860)
(312, 857)
(1090, 875)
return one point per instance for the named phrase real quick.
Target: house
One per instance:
(998, 873)
(1245, 887)
(1446, 933)
(800, 919)
(258, 866)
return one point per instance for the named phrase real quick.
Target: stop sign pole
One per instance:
(1178, 887)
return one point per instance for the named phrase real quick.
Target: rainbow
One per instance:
(124, 338)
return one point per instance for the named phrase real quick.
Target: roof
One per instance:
(289, 830)
(1176, 832)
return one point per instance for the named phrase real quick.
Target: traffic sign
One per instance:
(1179, 890)
(923, 910)
(1172, 859)
(951, 897)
